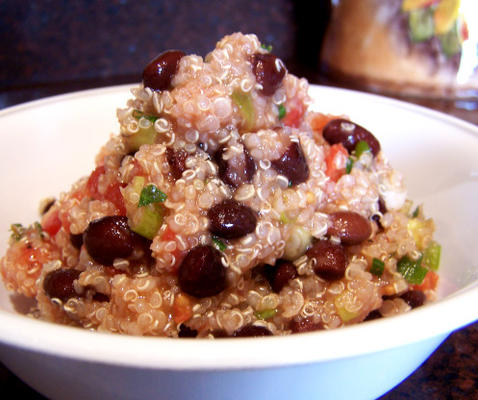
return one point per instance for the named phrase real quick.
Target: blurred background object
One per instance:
(49, 47)
(421, 50)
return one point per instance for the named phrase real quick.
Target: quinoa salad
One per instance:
(226, 207)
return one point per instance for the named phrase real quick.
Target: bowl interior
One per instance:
(48, 144)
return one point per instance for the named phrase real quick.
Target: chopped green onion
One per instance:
(266, 314)
(416, 212)
(139, 114)
(412, 270)
(349, 165)
(221, 246)
(282, 111)
(361, 147)
(431, 258)
(378, 267)
(151, 194)
(267, 47)
(148, 220)
(18, 230)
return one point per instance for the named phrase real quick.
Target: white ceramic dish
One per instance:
(48, 144)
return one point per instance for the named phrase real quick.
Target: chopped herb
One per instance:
(377, 267)
(266, 314)
(39, 229)
(361, 147)
(139, 114)
(349, 165)
(221, 246)
(18, 230)
(431, 258)
(267, 47)
(289, 184)
(151, 194)
(282, 111)
(416, 212)
(412, 270)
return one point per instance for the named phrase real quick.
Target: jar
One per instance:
(422, 48)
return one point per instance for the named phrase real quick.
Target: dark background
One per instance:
(57, 46)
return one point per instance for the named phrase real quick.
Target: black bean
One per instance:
(141, 256)
(375, 314)
(187, 332)
(177, 161)
(351, 227)
(414, 298)
(280, 274)
(201, 273)
(305, 325)
(349, 134)
(108, 238)
(330, 259)
(219, 333)
(292, 164)
(252, 330)
(160, 71)
(101, 297)
(59, 283)
(231, 220)
(238, 172)
(269, 71)
(76, 240)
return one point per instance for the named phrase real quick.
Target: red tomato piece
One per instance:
(51, 222)
(336, 161)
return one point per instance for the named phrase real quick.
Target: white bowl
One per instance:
(46, 145)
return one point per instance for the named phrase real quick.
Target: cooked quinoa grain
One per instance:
(226, 207)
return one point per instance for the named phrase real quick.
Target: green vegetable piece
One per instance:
(297, 243)
(218, 243)
(267, 47)
(349, 165)
(416, 212)
(450, 42)
(151, 194)
(145, 135)
(432, 255)
(266, 314)
(148, 220)
(411, 270)
(139, 114)
(421, 25)
(282, 111)
(246, 107)
(378, 267)
(18, 230)
(361, 147)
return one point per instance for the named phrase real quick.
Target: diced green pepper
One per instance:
(450, 42)
(411, 270)
(143, 136)
(432, 255)
(151, 194)
(267, 47)
(246, 107)
(377, 267)
(139, 114)
(421, 25)
(266, 314)
(361, 147)
(147, 220)
(282, 111)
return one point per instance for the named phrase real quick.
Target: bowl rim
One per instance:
(227, 354)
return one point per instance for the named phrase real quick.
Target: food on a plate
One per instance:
(226, 206)
(409, 47)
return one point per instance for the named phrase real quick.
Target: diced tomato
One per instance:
(182, 309)
(336, 161)
(294, 115)
(429, 283)
(112, 194)
(51, 222)
(92, 184)
(464, 34)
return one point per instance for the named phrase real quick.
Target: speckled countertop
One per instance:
(58, 46)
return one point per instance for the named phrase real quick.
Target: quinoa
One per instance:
(225, 206)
